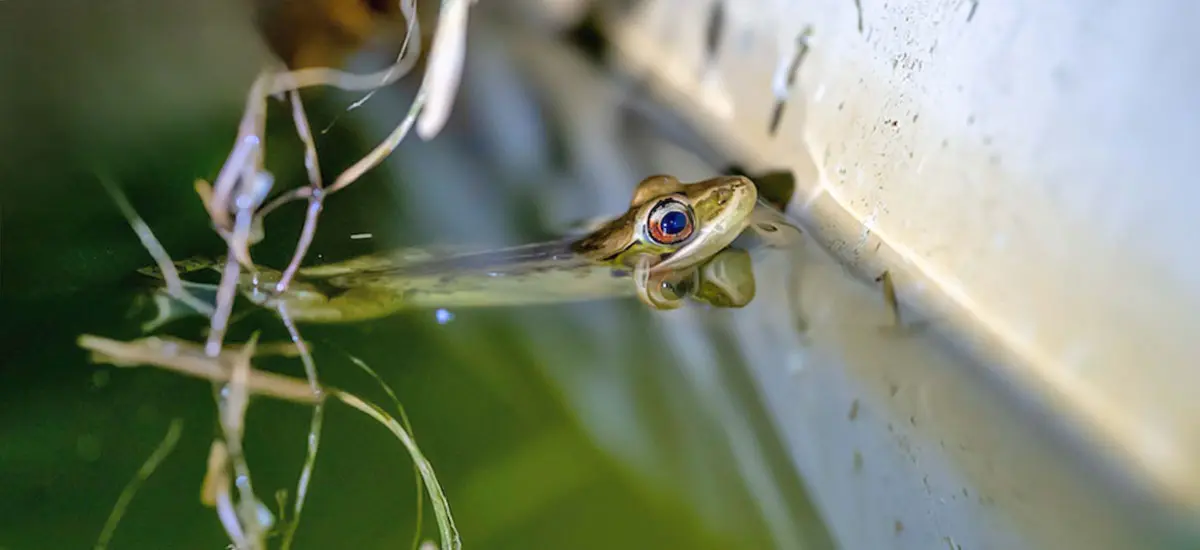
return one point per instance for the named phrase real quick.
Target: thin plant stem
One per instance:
(314, 430)
(232, 403)
(311, 164)
(164, 449)
(446, 57)
(315, 204)
(225, 295)
(221, 370)
(235, 205)
(449, 533)
(407, 426)
(171, 278)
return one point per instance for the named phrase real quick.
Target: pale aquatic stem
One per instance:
(251, 133)
(316, 202)
(161, 452)
(311, 164)
(232, 403)
(188, 359)
(446, 57)
(445, 62)
(407, 426)
(314, 429)
(403, 64)
(171, 279)
(222, 187)
(249, 197)
(437, 90)
(315, 192)
(449, 533)
(240, 189)
(226, 292)
(184, 358)
(214, 474)
(241, 519)
(218, 474)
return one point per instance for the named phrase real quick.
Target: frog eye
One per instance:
(670, 222)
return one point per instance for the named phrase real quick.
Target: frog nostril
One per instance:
(723, 196)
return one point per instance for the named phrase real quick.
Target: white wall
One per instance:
(1023, 168)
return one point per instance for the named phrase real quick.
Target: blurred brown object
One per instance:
(324, 33)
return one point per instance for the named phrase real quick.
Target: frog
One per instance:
(671, 245)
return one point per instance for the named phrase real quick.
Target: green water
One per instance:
(517, 468)
(550, 427)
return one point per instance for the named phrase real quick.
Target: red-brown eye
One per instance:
(670, 222)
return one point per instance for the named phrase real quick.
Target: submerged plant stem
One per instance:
(194, 363)
(232, 402)
(234, 203)
(441, 507)
(170, 274)
(164, 449)
(408, 427)
(314, 429)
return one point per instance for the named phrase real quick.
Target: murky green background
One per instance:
(550, 427)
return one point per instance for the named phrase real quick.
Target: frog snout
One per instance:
(724, 196)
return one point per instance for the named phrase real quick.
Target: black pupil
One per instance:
(674, 222)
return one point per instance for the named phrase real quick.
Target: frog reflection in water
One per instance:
(671, 244)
